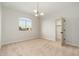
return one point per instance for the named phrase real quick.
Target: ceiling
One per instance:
(46, 7)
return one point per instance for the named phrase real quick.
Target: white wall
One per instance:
(48, 28)
(10, 31)
(71, 15)
(70, 12)
(72, 22)
(0, 25)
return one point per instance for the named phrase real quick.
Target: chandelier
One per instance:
(37, 12)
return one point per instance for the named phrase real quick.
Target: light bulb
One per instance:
(36, 14)
(35, 11)
(41, 13)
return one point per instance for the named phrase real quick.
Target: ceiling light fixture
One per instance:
(36, 11)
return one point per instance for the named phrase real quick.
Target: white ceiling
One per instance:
(46, 7)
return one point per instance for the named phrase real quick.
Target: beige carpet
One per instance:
(38, 47)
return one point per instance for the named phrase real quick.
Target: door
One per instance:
(60, 30)
(63, 31)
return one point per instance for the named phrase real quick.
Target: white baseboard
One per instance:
(44, 36)
(31, 37)
(73, 44)
(19, 40)
(48, 39)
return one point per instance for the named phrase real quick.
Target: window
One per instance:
(25, 24)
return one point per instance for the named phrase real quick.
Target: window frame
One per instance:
(27, 20)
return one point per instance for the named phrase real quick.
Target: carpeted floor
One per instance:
(38, 47)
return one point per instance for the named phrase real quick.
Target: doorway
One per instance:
(60, 30)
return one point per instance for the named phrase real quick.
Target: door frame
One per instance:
(63, 39)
